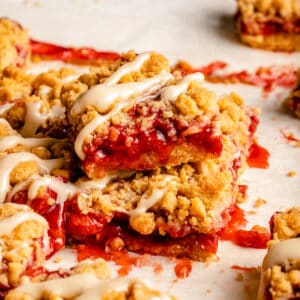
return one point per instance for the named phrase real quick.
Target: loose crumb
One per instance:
(259, 228)
(252, 212)
(259, 202)
(239, 276)
(291, 173)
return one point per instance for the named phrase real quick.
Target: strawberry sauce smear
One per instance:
(82, 55)
(268, 78)
(183, 268)
(257, 237)
(272, 26)
(52, 211)
(289, 136)
(124, 147)
(258, 157)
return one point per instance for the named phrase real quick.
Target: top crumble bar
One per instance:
(142, 117)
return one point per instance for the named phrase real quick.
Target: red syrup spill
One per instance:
(183, 268)
(243, 188)
(289, 136)
(121, 258)
(257, 237)
(157, 269)
(258, 157)
(246, 269)
(268, 78)
(70, 54)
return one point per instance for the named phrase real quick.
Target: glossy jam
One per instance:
(245, 269)
(53, 212)
(258, 157)
(125, 147)
(251, 238)
(271, 26)
(289, 137)
(267, 78)
(207, 70)
(123, 259)
(183, 268)
(69, 54)
(235, 233)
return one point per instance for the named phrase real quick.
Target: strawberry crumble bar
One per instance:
(271, 25)
(126, 156)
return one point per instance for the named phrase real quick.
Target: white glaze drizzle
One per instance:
(172, 92)
(5, 107)
(5, 123)
(160, 80)
(110, 97)
(64, 259)
(10, 141)
(156, 195)
(21, 186)
(280, 253)
(132, 66)
(10, 161)
(8, 224)
(69, 287)
(81, 287)
(104, 97)
(84, 185)
(35, 118)
(63, 190)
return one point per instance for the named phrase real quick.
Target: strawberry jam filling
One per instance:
(132, 146)
(268, 27)
(52, 211)
(69, 54)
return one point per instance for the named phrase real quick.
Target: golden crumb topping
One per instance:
(287, 9)
(14, 44)
(287, 224)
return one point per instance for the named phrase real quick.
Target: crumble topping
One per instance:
(287, 9)
(23, 241)
(280, 277)
(286, 225)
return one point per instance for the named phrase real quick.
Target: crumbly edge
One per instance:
(97, 267)
(293, 100)
(273, 42)
(13, 36)
(26, 169)
(70, 93)
(281, 283)
(286, 225)
(19, 87)
(16, 257)
(288, 9)
(195, 199)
